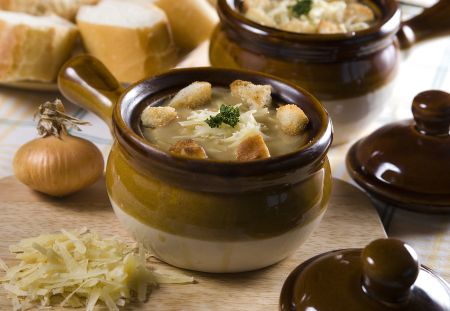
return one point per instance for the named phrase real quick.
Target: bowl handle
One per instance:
(432, 22)
(86, 82)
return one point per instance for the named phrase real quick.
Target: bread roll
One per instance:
(64, 8)
(192, 21)
(33, 47)
(133, 40)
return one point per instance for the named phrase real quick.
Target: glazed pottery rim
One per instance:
(387, 24)
(391, 194)
(309, 153)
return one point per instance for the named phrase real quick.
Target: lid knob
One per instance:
(431, 110)
(390, 268)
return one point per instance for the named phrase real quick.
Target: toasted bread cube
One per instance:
(297, 25)
(192, 96)
(252, 148)
(292, 119)
(188, 148)
(252, 94)
(327, 27)
(158, 116)
(357, 13)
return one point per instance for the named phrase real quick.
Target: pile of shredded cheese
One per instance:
(230, 136)
(79, 269)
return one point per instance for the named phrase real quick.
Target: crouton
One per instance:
(188, 148)
(158, 116)
(357, 13)
(192, 96)
(327, 27)
(297, 25)
(252, 148)
(252, 94)
(292, 119)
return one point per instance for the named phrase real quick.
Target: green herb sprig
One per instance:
(301, 7)
(227, 114)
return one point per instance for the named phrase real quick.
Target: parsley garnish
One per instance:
(227, 114)
(301, 7)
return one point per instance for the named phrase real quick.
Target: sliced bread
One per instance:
(64, 8)
(134, 41)
(192, 21)
(33, 47)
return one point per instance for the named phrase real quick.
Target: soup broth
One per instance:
(225, 142)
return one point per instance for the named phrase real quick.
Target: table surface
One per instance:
(426, 66)
(350, 222)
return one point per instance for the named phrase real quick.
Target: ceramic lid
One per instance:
(407, 163)
(383, 276)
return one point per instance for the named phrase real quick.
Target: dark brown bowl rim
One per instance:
(388, 24)
(312, 152)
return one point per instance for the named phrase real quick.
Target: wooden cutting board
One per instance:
(350, 221)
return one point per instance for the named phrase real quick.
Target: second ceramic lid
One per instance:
(407, 163)
(384, 276)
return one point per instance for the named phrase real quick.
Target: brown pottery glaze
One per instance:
(352, 73)
(406, 163)
(205, 215)
(383, 276)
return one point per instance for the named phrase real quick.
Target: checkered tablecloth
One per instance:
(425, 67)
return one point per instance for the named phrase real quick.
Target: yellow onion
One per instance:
(57, 163)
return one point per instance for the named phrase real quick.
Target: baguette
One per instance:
(64, 8)
(33, 48)
(192, 21)
(133, 40)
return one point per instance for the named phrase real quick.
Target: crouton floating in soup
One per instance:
(311, 16)
(195, 95)
(239, 123)
(251, 94)
(189, 149)
(158, 116)
(252, 148)
(292, 119)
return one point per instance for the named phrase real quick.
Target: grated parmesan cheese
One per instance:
(79, 269)
(230, 136)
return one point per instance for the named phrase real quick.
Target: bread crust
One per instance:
(131, 54)
(33, 53)
(192, 21)
(194, 95)
(64, 8)
(187, 148)
(256, 96)
(154, 117)
(292, 119)
(252, 148)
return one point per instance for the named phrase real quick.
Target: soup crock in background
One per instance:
(352, 74)
(205, 215)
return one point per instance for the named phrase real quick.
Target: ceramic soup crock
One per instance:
(205, 215)
(352, 74)
(384, 276)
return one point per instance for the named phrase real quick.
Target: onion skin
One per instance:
(58, 166)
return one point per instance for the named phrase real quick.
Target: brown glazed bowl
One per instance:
(383, 276)
(407, 163)
(352, 74)
(205, 215)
